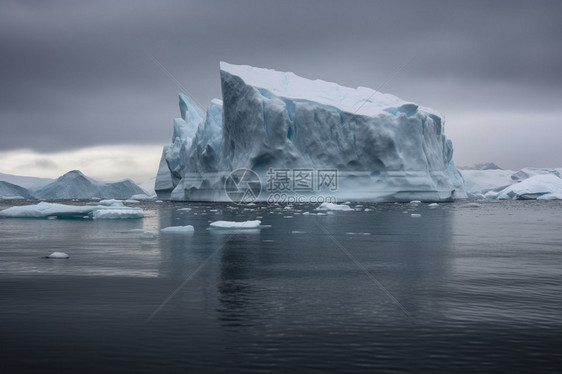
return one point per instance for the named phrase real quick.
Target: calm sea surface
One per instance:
(464, 287)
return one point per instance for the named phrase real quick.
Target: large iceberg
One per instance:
(383, 148)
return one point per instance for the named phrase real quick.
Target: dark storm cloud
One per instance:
(79, 74)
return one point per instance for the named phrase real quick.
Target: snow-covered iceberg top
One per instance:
(115, 210)
(362, 100)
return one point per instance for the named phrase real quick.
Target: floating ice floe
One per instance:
(142, 197)
(236, 225)
(111, 210)
(332, 206)
(415, 215)
(58, 255)
(178, 229)
(121, 213)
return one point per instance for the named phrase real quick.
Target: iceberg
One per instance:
(25, 181)
(527, 183)
(114, 210)
(479, 182)
(382, 147)
(75, 185)
(529, 172)
(545, 186)
(9, 191)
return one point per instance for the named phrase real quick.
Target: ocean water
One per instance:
(464, 287)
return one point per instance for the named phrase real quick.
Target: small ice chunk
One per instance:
(415, 202)
(433, 205)
(368, 210)
(184, 209)
(236, 225)
(58, 255)
(118, 213)
(179, 229)
(132, 201)
(415, 215)
(298, 232)
(331, 206)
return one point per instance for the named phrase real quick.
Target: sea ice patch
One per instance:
(236, 225)
(178, 229)
(335, 207)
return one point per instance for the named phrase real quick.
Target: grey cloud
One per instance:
(80, 74)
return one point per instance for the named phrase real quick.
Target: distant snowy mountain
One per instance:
(75, 185)
(24, 181)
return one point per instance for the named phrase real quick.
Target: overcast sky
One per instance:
(80, 80)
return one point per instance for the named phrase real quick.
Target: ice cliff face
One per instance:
(383, 148)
